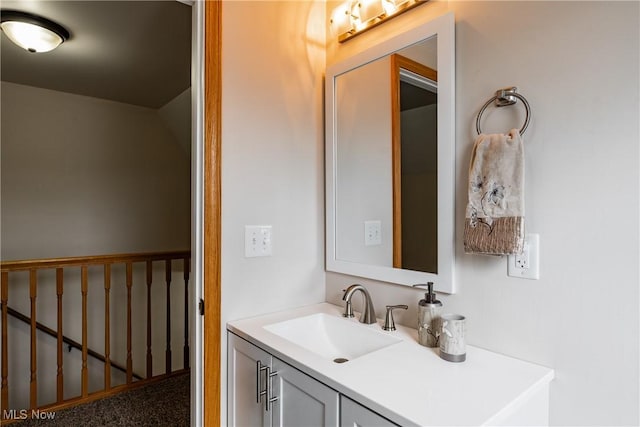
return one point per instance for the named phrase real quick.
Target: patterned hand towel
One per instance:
(494, 221)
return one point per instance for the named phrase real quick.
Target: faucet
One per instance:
(368, 312)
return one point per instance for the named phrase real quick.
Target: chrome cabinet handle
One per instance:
(270, 397)
(259, 391)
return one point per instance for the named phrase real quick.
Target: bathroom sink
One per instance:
(332, 337)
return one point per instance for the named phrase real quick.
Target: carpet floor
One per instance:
(165, 403)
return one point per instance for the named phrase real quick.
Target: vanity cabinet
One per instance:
(353, 414)
(310, 390)
(265, 391)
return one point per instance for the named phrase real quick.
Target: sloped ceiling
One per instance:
(137, 52)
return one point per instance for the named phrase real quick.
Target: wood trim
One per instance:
(33, 293)
(107, 327)
(413, 66)
(396, 162)
(167, 353)
(92, 260)
(129, 325)
(149, 283)
(60, 336)
(212, 211)
(4, 297)
(398, 62)
(85, 329)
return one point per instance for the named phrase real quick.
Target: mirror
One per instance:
(414, 148)
(390, 159)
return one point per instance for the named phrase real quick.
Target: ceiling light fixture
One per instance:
(32, 32)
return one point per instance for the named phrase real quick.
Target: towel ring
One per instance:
(504, 97)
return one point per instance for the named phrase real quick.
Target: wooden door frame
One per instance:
(400, 62)
(212, 212)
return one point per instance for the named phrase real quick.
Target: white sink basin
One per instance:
(332, 337)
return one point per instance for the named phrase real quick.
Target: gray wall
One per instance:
(85, 176)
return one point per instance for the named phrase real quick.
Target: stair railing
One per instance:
(83, 263)
(68, 341)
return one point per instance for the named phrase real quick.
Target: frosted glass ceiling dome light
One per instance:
(32, 32)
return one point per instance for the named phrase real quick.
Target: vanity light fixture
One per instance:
(31, 32)
(353, 17)
(341, 20)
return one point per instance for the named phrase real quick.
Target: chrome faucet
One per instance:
(368, 312)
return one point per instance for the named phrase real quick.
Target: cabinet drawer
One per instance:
(353, 414)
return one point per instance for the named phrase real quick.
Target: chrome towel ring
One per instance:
(504, 97)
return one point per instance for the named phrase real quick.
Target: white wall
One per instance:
(578, 65)
(83, 176)
(272, 169)
(425, 52)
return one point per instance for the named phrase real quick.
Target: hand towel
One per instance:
(494, 222)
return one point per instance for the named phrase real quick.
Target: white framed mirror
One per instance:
(390, 195)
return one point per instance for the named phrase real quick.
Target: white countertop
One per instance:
(406, 382)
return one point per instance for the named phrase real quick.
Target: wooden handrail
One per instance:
(75, 344)
(91, 260)
(83, 263)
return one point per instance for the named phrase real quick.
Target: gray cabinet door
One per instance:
(302, 400)
(297, 399)
(244, 409)
(353, 414)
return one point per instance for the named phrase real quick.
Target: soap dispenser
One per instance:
(429, 311)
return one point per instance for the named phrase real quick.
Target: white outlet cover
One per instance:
(532, 251)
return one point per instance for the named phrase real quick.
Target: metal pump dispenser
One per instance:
(429, 311)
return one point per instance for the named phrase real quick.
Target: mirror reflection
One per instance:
(386, 161)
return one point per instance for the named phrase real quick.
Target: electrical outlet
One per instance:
(526, 265)
(522, 261)
(257, 240)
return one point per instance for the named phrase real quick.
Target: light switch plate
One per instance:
(257, 241)
(527, 264)
(372, 233)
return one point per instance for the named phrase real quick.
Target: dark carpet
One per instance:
(165, 403)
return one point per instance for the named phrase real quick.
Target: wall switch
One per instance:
(372, 233)
(527, 264)
(257, 240)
